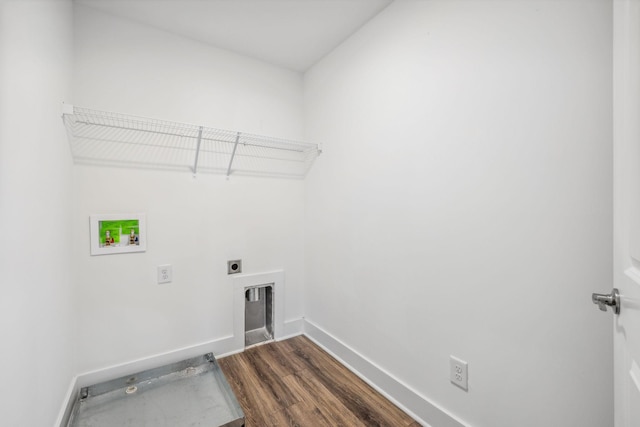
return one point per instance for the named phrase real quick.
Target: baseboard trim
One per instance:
(292, 328)
(218, 346)
(67, 404)
(413, 403)
(221, 347)
(409, 400)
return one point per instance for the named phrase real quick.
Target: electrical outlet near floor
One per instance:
(458, 371)
(165, 273)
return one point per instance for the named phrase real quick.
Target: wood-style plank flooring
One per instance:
(295, 383)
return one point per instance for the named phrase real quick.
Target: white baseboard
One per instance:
(413, 403)
(67, 404)
(407, 399)
(221, 347)
(292, 328)
(218, 346)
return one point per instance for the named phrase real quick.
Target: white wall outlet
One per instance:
(165, 273)
(458, 371)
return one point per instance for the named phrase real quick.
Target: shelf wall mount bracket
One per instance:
(195, 162)
(233, 154)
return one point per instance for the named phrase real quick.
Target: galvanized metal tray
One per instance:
(192, 392)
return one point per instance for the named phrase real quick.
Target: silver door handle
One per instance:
(612, 300)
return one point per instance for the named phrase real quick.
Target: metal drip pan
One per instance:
(189, 392)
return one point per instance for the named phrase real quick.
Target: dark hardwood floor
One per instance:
(295, 383)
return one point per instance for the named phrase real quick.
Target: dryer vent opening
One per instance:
(258, 315)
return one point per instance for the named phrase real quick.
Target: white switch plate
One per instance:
(165, 273)
(458, 371)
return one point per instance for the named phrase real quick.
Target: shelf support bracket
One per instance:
(233, 154)
(195, 163)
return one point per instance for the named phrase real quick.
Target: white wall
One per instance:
(36, 311)
(463, 204)
(194, 224)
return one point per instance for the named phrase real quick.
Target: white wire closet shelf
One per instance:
(115, 139)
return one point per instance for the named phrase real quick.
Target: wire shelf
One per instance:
(115, 139)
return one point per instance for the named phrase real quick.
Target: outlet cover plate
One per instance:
(165, 273)
(459, 373)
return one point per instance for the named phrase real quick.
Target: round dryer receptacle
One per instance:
(234, 266)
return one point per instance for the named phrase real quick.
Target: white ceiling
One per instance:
(293, 34)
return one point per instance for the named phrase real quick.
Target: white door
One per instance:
(626, 106)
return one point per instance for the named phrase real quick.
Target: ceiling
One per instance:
(294, 34)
